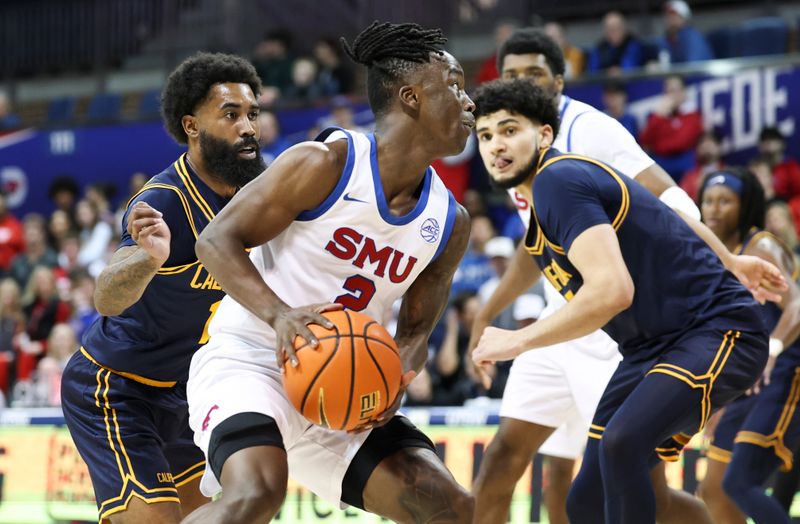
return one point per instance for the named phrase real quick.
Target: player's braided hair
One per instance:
(752, 202)
(390, 51)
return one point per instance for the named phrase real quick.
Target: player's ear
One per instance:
(545, 135)
(190, 127)
(559, 83)
(409, 98)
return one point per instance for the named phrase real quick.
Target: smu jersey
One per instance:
(586, 131)
(679, 281)
(153, 340)
(350, 249)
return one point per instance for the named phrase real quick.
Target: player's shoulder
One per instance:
(318, 156)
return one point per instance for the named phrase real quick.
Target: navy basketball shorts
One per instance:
(773, 422)
(135, 438)
(728, 426)
(720, 365)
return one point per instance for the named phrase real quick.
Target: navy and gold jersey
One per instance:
(154, 339)
(679, 281)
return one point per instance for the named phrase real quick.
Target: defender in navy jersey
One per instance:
(124, 392)
(689, 332)
(756, 433)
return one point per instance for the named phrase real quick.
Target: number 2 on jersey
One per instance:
(361, 291)
(212, 310)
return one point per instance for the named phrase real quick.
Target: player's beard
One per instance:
(521, 174)
(224, 162)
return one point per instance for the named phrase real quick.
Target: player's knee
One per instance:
(580, 503)
(619, 444)
(256, 502)
(735, 486)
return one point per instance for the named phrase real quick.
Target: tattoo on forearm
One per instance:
(123, 284)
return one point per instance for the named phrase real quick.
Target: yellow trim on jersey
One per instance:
(598, 436)
(537, 248)
(719, 454)
(704, 382)
(597, 428)
(624, 205)
(190, 473)
(132, 494)
(775, 439)
(174, 270)
(184, 202)
(183, 173)
(137, 378)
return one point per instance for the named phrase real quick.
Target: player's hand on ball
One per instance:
(762, 278)
(148, 229)
(293, 322)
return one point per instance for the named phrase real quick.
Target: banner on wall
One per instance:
(737, 103)
(44, 480)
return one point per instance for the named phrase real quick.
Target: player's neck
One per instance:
(216, 185)
(401, 168)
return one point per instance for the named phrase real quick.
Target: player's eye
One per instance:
(253, 115)
(230, 114)
(510, 131)
(484, 137)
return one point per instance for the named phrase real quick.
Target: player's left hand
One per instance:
(494, 345)
(762, 278)
(390, 412)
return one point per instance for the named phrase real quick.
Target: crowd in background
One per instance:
(48, 261)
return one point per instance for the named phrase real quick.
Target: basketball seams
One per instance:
(319, 372)
(375, 361)
(352, 369)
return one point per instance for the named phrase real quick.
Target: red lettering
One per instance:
(344, 243)
(522, 204)
(396, 277)
(371, 253)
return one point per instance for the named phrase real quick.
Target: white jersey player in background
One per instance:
(359, 220)
(552, 393)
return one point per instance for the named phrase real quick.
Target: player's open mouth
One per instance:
(469, 123)
(248, 152)
(501, 164)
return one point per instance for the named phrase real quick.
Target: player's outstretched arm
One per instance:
(123, 281)
(607, 290)
(786, 331)
(521, 274)
(298, 180)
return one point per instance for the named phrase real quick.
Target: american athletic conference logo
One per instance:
(429, 231)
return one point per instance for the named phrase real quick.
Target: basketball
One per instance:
(350, 378)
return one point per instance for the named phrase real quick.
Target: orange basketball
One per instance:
(350, 378)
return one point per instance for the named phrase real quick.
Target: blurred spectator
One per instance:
(681, 42)
(342, 115)
(59, 227)
(304, 89)
(779, 222)
(37, 252)
(474, 268)
(527, 309)
(708, 158)
(100, 195)
(8, 120)
(455, 170)
(615, 102)
(43, 309)
(273, 61)
(760, 167)
(69, 250)
(474, 203)
(671, 134)
(335, 76)
(500, 251)
(94, 233)
(488, 70)
(63, 192)
(574, 57)
(12, 323)
(420, 391)
(451, 385)
(61, 345)
(618, 50)
(83, 309)
(12, 241)
(135, 184)
(271, 141)
(785, 169)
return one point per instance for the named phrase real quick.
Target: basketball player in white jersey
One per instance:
(353, 219)
(552, 393)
